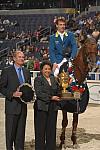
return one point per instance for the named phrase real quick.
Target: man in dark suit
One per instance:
(61, 43)
(15, 110)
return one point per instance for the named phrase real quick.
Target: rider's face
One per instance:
(61, 26)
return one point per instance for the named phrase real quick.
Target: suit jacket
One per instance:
(57, 46)
(44, 92)
(9, 83)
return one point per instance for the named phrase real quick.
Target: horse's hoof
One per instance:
(63, 147)
(32, 142)
(76, 146)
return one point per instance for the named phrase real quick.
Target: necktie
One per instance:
(20, 76)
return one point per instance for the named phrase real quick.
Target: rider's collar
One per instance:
(58, 33)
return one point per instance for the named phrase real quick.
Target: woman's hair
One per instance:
(45, 63)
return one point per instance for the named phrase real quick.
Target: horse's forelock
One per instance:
(90, 40)
(90, 46)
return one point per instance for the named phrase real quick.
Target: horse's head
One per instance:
(90, 48)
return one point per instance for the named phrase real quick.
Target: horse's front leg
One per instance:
(64, 125)
(74, 130)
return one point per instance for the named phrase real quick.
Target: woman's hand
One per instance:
(55, 98)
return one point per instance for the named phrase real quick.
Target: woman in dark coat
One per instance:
(45, 108)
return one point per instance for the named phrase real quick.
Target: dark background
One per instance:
(32, 4)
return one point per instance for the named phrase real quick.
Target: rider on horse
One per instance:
(61, 43)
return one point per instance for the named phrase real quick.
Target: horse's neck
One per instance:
(80, 66)
(79, 57)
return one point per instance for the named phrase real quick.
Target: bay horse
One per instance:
(81, 64)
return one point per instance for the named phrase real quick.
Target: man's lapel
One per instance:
(59, 39)
(65, 37)
(15, 74)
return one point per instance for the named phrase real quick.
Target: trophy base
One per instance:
(67, 96)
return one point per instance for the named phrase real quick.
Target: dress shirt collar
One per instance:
(61, 34)
(16, 67)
